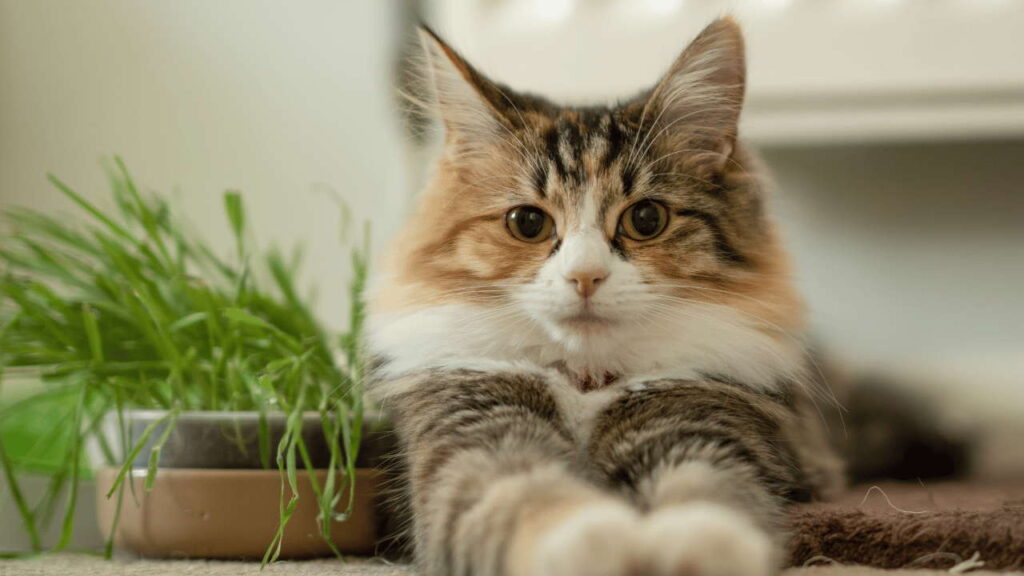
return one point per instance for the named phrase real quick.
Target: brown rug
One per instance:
(914, 526)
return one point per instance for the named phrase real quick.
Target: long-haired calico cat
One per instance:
(589, 339)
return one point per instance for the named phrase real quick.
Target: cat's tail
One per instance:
(885, 430)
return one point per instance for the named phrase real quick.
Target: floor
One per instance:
(73, 565)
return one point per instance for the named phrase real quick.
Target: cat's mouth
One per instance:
(585, 319)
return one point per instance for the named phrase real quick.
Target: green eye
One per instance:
(644, 220)
(529, 224)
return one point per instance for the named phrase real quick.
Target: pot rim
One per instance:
(229, 415)
(143, 473)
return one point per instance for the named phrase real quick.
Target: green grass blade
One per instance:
(91, 208)
(141, 443)
(92, 333)
(154, 454)
(68, 526)
(108, 545)
(28, 518)
(235, 210)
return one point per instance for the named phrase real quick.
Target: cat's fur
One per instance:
(657, 426)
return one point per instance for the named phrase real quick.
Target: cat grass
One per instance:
(126, 309)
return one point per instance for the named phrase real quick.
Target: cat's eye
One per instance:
(644, 220)
(529, 224)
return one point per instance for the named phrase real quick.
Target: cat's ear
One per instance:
(468, 103)
(696, 105)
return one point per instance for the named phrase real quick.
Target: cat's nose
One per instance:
(587, 281)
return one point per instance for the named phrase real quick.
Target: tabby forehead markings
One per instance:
(586, 152)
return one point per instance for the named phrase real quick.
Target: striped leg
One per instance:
(491, 483)
(710, 463)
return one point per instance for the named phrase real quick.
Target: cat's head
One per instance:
(605, 238)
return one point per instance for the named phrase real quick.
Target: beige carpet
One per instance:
(71, 565)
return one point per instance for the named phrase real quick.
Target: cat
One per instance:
(589, 339)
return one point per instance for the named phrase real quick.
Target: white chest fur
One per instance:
(459, 336)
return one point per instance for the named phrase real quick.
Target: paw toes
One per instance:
(704, 539)
(590, 542)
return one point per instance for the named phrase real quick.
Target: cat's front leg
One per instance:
(493, 484)
(710, 464)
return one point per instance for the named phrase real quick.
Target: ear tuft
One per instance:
(697, 104)
(461, 93)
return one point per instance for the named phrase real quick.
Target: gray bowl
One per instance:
(230, 440)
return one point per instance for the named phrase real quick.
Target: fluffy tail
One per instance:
(890, 432)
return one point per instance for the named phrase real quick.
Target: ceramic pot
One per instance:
(212, 498)
(230, 514)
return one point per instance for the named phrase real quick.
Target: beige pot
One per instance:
(210, 513)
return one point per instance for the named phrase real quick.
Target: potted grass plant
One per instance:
(219, 417)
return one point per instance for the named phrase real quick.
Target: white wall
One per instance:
(912, 260)
(283, 100)
(909, 252)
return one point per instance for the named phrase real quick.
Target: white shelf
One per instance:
(824, 119)
(820, 70)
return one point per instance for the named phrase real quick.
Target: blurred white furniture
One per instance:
(820, 70)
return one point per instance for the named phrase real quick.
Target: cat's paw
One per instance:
(591, 541)
(704, 539)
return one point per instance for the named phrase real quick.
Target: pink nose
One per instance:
(587, 281)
